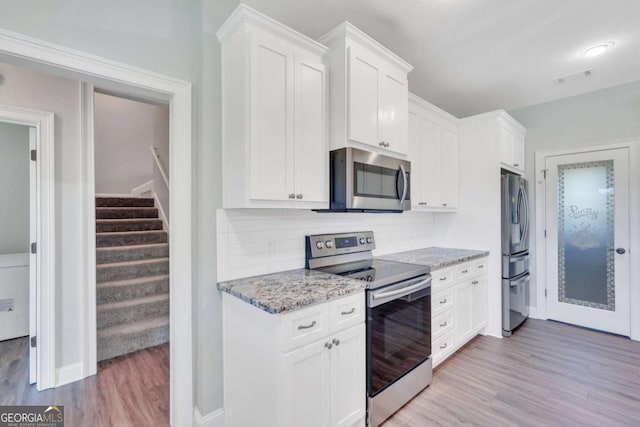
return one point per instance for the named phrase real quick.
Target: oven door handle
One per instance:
(404, 185)
(403, 291)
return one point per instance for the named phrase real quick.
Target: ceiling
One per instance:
(474, 56)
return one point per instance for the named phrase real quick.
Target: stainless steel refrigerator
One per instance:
(515, 252)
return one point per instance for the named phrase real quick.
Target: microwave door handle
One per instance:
(404, 185)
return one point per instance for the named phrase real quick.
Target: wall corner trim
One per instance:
(212, 419)
(69, 374)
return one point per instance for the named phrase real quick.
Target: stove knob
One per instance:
(369, 240)
(362, 241)
(319, 245)
(328, 244)
(369, 278)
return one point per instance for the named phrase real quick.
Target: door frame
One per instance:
(136, 82)
(633, 144)
(45, 292)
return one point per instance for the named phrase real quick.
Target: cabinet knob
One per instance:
(387, 144)
(444, 204)
(443, 324)
(444, 301)
(381, 144)
(292, 196)
(328, 345)
(298, 196)
(443, 346)
(516, 164)
(475, 282)
(336, 341)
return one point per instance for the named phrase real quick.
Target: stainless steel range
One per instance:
(398, 317)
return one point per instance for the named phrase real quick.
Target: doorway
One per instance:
(588, 238)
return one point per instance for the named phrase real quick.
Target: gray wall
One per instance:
(585, 120)
(14, 188)
(177, 38)
(123, 131)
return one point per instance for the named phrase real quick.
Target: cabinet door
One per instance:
(463, 303)
(450, 168)
(416, 157)
(311, 151)
(363, 96)
(431, 139)
(506, 145)
(271, 120)
(348, 381)
(305, 389)
(518, 151)
(479, 301)
(394, 106)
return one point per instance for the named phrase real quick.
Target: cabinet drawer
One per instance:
(442, 324)
(440, 278)
(443, 345)
(346, 312)
(441, 302)
(463, 271)
(304, 326)
(480, 266)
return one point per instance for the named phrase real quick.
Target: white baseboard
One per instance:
(69, 374)
(533, 314)
(144, 190)
(213, 419)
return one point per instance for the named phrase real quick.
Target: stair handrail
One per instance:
(156, 157)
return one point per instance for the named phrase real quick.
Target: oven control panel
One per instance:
(321, 245)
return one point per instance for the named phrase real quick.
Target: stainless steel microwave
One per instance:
(363, 181)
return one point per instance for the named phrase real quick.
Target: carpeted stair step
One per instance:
(130, 238)
(137, 224)
(122, 290)
(124, 339)
(131, 269)
(131, 253)
(126, 213)
(130, 202)
(133, 310)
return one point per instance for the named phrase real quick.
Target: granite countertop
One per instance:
(435, 257)
(291, 290)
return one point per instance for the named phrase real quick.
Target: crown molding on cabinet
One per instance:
(416, 100)
(246, 15)
(498, 114)
(348, 30)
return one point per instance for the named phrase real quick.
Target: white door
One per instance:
(463, 306)
(587, 223)
(305, 392)
(418, 164)
(479, 300)
(449, 168)
(394, 104)
(348, 381)
(363, 99)
(272, 119)
(311, 152)
(33, 258)
(431, 140)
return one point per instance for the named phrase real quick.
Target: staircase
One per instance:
(132, 276)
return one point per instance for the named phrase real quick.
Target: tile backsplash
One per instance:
(261, 241)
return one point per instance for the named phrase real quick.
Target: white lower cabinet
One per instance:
(458, 306)
(303, 368)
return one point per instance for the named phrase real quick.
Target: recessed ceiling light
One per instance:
(598, 49)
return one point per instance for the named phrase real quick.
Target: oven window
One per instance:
(376, 181)
(398, 339)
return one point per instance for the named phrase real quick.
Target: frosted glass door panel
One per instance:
(586, 209)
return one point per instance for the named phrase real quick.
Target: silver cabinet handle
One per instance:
(444, 204)
(444, 301)
(443, 324)
(310, 325)
(336, 341)
(422, 203)
(443, 346)
(442, 279)
(464, 271)
(381, 144)
(387, 144)
(516, 164)
(292, 196)
(299, 196)
(328, 345)
(475, 282)
(344, 313)
(481, 266)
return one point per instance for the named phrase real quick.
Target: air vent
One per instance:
(573, 77)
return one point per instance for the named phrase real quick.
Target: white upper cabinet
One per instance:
(369, 93)
(274, 128)
(511, 144)
(434, 149)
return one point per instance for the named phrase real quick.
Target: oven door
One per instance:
(398, 331)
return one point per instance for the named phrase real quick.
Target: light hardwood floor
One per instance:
(131, 390)
(546, 374)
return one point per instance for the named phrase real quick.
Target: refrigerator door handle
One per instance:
(525, 199)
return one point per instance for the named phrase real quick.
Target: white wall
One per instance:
(262, 241)
(580, 121)
(123, 131)
(35, 90)
(14, 188)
